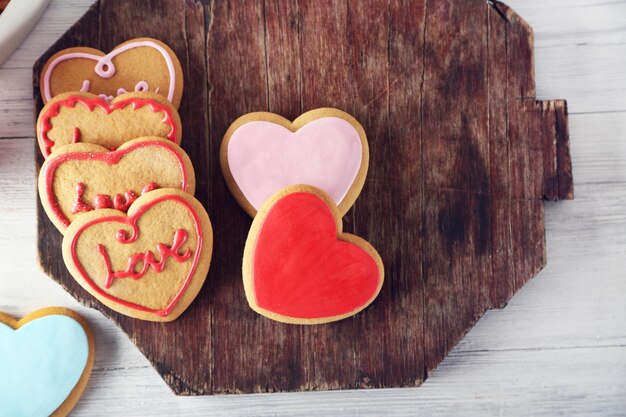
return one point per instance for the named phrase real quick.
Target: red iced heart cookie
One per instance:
(299, 267)
(149, 264)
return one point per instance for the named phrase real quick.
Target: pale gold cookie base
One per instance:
(248, 255)
(93, 262)
(302, 120)
(69, 403)
(110, 130)
(114, 180)
(132, 66)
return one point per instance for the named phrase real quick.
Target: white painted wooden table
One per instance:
(558, 348)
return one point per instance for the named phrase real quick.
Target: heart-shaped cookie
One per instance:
(85, 118)
(84, 177)
(140, 65)
(298, 266)
(150, 263)
(262, 153)
(45, 362)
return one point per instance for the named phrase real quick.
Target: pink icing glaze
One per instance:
(106, 69)
(86, 86)
(264, 157)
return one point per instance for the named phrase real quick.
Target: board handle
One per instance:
(558, 179)
(539, 156)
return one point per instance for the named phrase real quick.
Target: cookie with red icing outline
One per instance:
(137, 65)
(79, 178)
(298, 265)
(71, 118)
(261, 153)
(46, 359)
(149, 263)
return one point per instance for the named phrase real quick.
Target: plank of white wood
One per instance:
(579, 51)
(591, 77)
(573, 22)
(551, 382)
(16, 119)
(15, 84)
(598, 147)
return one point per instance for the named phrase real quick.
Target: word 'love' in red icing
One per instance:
(303, 268)
(102, 201)
(62, 204)
(140, 263)
(146, 260)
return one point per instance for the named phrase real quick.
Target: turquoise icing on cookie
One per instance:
(40, 364)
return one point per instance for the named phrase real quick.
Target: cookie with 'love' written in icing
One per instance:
(137, 65)
(79, 178)
(72, 118)
(149, 263)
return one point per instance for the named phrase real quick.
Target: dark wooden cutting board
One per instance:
(462, 156)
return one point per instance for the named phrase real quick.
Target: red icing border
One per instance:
(124, 238)
(111, 158)
(46, 144)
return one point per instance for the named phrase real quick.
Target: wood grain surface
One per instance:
(461, 157)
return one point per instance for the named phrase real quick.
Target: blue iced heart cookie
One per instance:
(45, 360)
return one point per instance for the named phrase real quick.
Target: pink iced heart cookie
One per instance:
(262, 153)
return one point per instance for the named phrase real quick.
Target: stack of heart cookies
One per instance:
(115, 181)
(297, 179)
